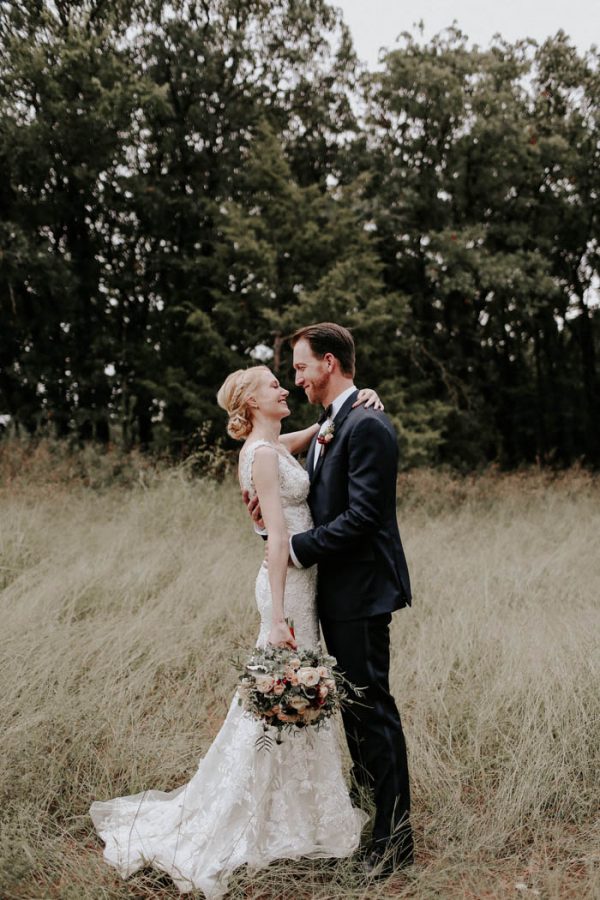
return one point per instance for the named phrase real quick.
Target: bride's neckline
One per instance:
(277, 446)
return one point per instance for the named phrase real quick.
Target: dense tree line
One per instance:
(184, 183)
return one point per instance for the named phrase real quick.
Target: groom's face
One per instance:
(311, 372)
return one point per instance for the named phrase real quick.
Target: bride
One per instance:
(244, 804)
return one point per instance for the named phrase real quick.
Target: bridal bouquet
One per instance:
(289, 689)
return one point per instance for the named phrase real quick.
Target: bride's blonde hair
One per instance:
(233, 397)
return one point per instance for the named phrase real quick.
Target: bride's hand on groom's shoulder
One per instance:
(370, 398)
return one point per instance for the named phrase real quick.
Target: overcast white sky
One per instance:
(376, 23)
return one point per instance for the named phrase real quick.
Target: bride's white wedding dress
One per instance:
(244, 804)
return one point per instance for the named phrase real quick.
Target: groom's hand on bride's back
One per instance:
(253, 508)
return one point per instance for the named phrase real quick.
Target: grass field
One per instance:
(122, 603)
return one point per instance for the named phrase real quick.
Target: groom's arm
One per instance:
(371, 474)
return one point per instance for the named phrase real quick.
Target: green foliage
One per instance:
(186, 182)
(483, 221)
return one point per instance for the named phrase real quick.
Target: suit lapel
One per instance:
(317, 468)
(345, 410)
(337, 422)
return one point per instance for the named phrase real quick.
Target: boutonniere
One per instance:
(326, 436)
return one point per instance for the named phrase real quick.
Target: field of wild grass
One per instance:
(124, 591)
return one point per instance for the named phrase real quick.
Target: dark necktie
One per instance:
(326, 414)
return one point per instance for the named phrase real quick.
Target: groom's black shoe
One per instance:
(377, 866)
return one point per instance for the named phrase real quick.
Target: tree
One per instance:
(459, 199)
(188, 182)
(66, 101)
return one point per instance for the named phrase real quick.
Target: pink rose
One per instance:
(279, 688)
(323, 672)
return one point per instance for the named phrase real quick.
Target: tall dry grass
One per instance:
(120, 609)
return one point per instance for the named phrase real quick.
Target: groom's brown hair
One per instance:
(327, 337)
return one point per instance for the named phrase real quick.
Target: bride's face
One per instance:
(270, 397)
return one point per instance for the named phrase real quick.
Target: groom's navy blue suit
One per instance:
(362, 579)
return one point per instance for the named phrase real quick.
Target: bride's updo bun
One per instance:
(233, 397)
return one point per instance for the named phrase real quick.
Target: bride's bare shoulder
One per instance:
(254, 450)
(252, 447)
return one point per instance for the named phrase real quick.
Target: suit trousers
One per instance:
(373, 727)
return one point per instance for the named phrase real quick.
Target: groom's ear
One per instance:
(331, 361)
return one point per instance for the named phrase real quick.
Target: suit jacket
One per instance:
(355, 541)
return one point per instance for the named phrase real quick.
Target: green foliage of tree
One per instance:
(186, 183)
(472, 202)
(67, 94)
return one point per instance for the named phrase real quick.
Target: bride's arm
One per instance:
(296, 441)
(265, 473)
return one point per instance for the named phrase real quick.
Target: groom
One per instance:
(362, 574)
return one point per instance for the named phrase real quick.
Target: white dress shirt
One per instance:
(336, 405)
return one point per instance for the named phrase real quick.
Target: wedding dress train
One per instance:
(245, 804)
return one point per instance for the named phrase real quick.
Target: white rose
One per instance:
(264, 683)
(323, 672)
(308, 676)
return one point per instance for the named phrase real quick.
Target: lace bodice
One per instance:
(300, 586)
(294, 484)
